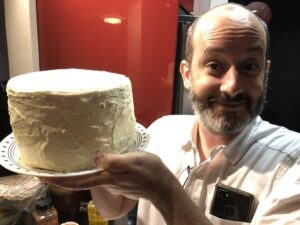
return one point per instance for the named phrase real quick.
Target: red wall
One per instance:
(188, 5)
(73, 34)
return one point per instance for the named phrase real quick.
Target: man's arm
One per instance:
(128, 177)
(111, 206)
(177, 208)
(141, 174)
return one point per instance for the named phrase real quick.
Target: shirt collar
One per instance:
(236, 149)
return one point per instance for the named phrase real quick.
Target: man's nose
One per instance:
(232, 83)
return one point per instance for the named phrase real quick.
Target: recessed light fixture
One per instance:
(112, 20)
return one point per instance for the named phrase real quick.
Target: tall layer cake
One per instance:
(61, 119)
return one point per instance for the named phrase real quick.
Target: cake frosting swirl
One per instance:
(61, 119)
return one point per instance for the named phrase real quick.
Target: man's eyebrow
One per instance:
(256, 48)
(213, 50)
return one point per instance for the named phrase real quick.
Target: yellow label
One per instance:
(94, 217)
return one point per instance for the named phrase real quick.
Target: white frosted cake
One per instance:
(61, 119)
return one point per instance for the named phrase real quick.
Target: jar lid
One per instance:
(43, 204)
(70, 223)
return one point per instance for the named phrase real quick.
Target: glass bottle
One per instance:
(82, 217)
(45, 213)
(94, 217)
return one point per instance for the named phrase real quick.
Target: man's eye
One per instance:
(214, 66)
(250, 67)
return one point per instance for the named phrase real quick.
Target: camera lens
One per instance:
(223, 194)
(229, 210)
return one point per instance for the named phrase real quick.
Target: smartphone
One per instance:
(233, 204)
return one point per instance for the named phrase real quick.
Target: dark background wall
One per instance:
(283, 105)
(4, 73)
(5, 128)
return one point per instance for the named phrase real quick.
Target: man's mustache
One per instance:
(223, 98)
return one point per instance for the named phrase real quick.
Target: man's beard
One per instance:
(229, 122)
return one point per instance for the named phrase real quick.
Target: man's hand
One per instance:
(134, 175)
(128, 177)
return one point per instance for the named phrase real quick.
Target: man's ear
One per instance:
(185, 74)
(268, 66)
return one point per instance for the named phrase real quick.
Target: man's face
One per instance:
(227, 75)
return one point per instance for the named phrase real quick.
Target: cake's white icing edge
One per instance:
(66, 81)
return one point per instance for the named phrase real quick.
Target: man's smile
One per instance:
(229, 105)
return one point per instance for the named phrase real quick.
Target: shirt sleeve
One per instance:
(282, 206)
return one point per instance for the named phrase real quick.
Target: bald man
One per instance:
(224, 165)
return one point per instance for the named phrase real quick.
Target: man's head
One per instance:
(225, 68)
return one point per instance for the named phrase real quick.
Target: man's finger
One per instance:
(82, 182)
(117, 163)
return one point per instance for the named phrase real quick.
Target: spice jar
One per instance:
(93, 215)
(45, 213)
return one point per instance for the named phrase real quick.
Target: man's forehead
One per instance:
(228, 14)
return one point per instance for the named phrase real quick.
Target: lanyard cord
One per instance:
(188, 169)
